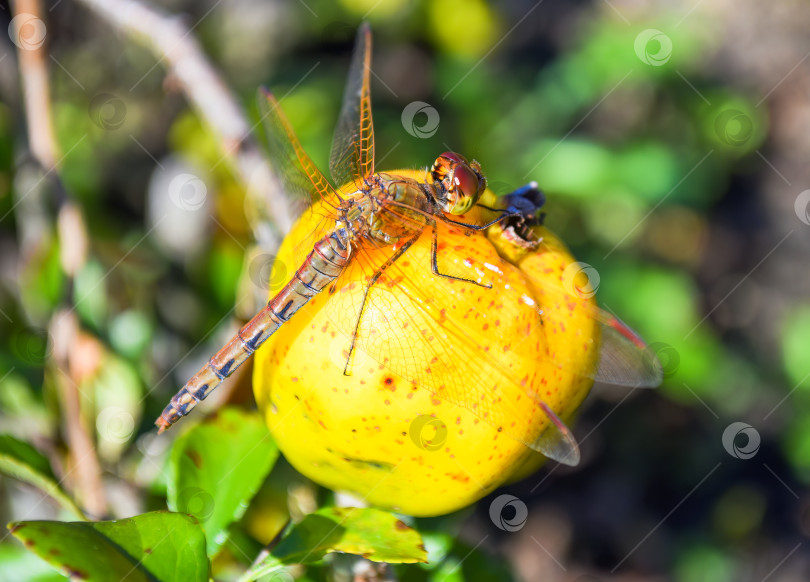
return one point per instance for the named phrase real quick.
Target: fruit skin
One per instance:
(388, 442)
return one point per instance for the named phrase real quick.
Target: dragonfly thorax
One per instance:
(387, 209)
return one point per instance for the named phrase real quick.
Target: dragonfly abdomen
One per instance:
(324, 263)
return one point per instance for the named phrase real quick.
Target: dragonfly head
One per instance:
(460, 182)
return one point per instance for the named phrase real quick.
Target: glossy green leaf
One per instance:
(20, 460)
(150, 547)
(216, 469)
(379, 536)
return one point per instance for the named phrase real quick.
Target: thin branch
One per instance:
(173, 43)
(73, 247)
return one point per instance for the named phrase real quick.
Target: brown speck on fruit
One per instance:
(147, 550)
(75, 574)
(500, 429)
(400, 525)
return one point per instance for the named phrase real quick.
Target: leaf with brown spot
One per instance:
(116, 550)
(374, 534)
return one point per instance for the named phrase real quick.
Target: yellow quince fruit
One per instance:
(381, 436)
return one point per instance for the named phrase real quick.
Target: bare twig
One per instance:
(168, 37)
(70, 225)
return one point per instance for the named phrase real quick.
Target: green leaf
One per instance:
(376, 535)
(217, 467)
(20, 460)
(158, 546)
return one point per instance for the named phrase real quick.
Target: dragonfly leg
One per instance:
(391, 260)
(434, 262)
(522, 204)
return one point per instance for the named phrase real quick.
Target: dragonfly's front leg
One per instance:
(522, 204)
(434, 261)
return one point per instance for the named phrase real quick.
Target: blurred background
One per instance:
(669, 137)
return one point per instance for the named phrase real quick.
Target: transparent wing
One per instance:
(299, 176)
(624, 358)
(352, 157)
(431, 331)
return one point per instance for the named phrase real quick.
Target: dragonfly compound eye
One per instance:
(462, 181)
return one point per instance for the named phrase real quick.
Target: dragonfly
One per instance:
(366, 223)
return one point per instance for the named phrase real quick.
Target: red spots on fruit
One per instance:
(322, 424)
(497, 322)
(458, 420)
(435, 401)
(387, 402)
(486, 327)
(410, 396)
